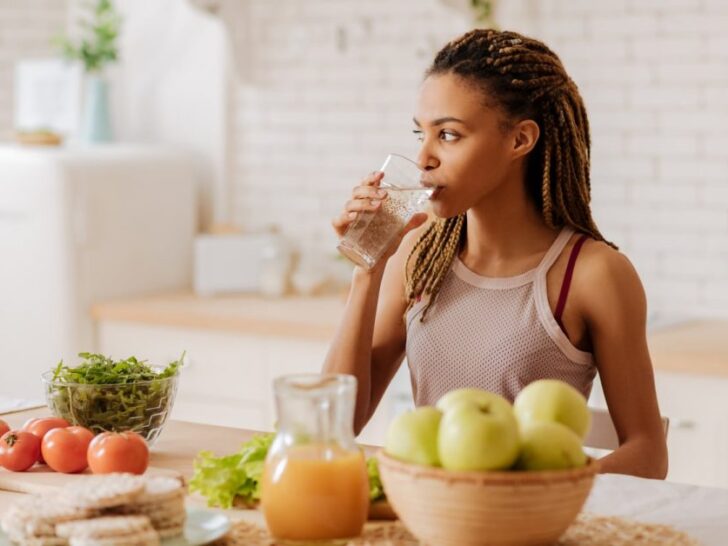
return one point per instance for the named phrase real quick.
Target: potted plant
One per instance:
(95, 48)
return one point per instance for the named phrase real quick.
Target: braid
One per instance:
(432, 255)
(528, 81)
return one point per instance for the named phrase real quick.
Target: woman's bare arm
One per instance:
(616, 320)
(370, 341)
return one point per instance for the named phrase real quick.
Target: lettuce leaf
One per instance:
(376, 489)
(235, 478)
(221, 479)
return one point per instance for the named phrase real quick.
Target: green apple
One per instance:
(412, 436)
(556, 401)
(478, 436)
(477, 396)
(546, 445)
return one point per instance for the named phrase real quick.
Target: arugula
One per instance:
(235, 478)
(101, 370)
(106, 395)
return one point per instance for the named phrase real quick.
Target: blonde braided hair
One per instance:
(528, 81)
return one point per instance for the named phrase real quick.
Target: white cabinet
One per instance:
(697, 439)
(227, 379)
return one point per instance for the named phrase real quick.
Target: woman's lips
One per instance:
(436, 192)
(436, 188)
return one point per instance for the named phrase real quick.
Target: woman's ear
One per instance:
(525, 135)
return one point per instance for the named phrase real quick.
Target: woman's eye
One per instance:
(448, 136)
(418, 134)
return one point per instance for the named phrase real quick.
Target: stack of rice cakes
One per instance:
(110, 510)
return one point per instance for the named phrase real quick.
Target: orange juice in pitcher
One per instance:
(315, 488)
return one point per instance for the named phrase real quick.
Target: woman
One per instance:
(491, 291)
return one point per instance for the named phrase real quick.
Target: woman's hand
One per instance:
(367, 196)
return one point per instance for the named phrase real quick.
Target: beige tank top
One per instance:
(497, 334)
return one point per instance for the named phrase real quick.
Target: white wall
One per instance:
(654, 75)
(26, 29)
(333, 89)
(329, 89)
(329, 93)
(171, 86)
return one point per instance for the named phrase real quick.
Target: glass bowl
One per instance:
(140, 406)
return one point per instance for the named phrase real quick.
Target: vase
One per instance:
(96, 125)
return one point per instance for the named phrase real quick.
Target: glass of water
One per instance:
(372, 232)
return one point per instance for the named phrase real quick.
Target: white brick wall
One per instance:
(26, 28)
(333, 90)
(654, 75)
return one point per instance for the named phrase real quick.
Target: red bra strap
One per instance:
(567, 281)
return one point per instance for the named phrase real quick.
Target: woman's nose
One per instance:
(426, 160)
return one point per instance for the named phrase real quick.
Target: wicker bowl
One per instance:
(515, 508)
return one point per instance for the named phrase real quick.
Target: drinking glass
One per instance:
(373, 232)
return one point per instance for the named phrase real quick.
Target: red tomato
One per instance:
(64, 449)
(118, 452)
(41, 425)
(3, 427)
(19, 450)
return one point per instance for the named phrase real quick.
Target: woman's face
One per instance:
(465, 150)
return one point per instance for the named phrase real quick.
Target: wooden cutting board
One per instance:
(41, 479)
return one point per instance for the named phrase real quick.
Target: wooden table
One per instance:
(700, 511)
(175, 449)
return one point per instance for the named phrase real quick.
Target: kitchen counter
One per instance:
(698, 347)
(698, 511)
(305, 317)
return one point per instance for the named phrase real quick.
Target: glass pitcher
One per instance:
(315, 488)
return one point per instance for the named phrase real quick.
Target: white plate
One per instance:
(201, 527)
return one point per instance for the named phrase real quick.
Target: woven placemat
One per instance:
(587, 530)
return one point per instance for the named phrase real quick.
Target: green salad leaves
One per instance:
(221, 479)
(98, 369)
(376, 489)
(106, 395)
(235, 478)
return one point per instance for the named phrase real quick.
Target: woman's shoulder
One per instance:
(605, 277)
(599, 260)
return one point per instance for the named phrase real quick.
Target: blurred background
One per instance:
(171, 188)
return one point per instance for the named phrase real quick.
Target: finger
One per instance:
(373, 179)
(369, 192)
(342, 221)
(359, 205)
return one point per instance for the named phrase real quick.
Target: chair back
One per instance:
(603, 435)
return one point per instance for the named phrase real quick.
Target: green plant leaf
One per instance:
(97, 45)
